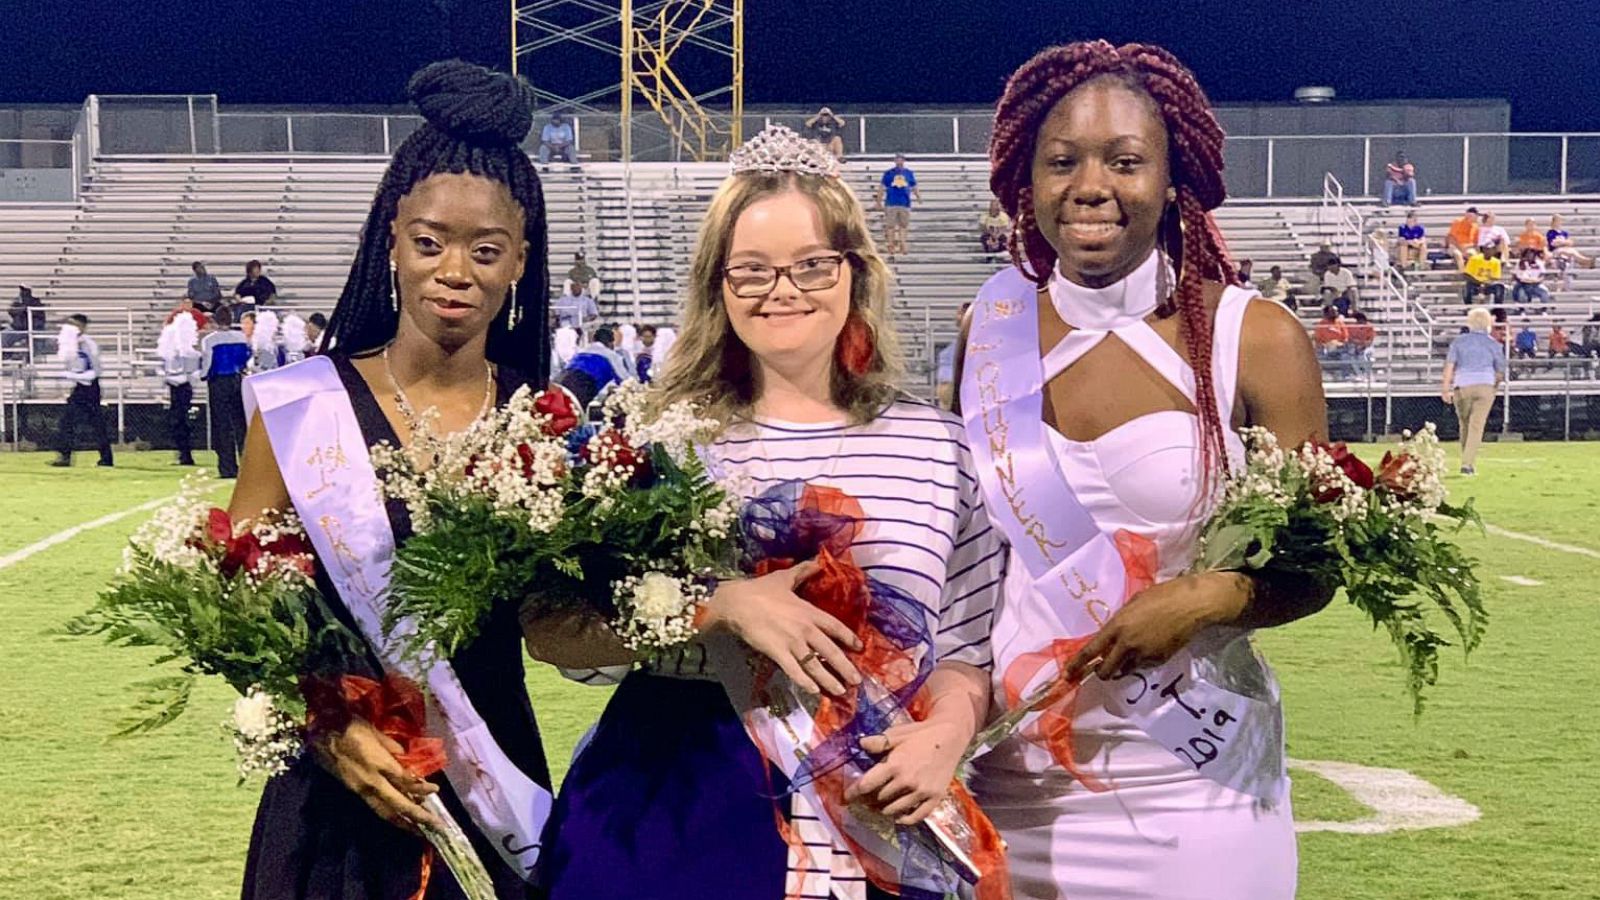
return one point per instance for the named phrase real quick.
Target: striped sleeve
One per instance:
(973, 578)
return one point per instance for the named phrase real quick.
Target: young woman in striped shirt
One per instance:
(786, 338)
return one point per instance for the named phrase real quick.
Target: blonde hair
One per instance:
(1480, 319)
(710, 366)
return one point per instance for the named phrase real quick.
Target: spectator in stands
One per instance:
(203, 288)
(1527, 342)
(1463, 237)
(1320, 261)
(27, 315)
(584, 274)
(1276, 287)
(1400, 183)
(896, 192)
(1343, 283)
(1331, 337)
(1362, 335)
(81, 356)
(1481, 278)
(186, 307)
(1242, 275)
(1564, 252)
(994, 228)
(1532, 238)
(1412, 249)
(556, 139)
(1493, 240)
(644, 360)
(255, 290)
(1529, 278)
(1590, 345)
(224, 355)
(827, 129)
(575, 308)
(1475, 366)
(1560, 343)
(316, 324)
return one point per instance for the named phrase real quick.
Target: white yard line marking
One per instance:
(1497, 531)
(1399, 800)
(1521, 580)
(61, 537)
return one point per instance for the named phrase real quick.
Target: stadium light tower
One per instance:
(683, 58)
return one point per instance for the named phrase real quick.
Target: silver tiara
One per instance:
(777, 149)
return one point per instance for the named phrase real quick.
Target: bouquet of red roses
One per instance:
(528, 506)
(227, 599)
(1320, 511)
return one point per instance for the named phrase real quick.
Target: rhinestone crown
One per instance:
(778, 149)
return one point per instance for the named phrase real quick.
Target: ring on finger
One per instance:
(809, 657)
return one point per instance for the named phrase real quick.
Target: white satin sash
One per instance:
(324, 461)
(1224, 735)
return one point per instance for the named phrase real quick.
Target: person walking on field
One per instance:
(1475, 367)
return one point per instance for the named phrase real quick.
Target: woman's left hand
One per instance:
(919, 760)
(1158, 621)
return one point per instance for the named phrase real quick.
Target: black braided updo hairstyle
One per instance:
(476, 121)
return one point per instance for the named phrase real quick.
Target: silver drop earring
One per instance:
(394, 284)
(516, 314)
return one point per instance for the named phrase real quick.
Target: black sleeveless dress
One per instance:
(314, 839)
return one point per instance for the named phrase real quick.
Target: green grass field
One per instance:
(1512, 732)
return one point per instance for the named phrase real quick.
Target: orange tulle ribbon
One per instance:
(395, 706)
(839, 588)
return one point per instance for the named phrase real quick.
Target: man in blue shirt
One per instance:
(81, 355)
(555, 140)
(576, 308)
(895, 194)
(203, 288)
(1413, 250)
(224, 354)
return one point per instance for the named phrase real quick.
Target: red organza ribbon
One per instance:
(839, 588)
(395, 707)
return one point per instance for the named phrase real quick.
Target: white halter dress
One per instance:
(1163, 831)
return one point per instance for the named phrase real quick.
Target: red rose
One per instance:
(1351, 465)
(1398, 474)
(287, 545)
(243, 553)
(525, 454)
(613, 446)
(219, 528)
(558, 406)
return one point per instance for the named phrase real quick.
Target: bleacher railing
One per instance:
(1348, 223)
(1259, 166)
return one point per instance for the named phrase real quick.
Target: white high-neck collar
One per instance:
(1113, 306)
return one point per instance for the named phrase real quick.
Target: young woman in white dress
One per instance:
(1162, 777)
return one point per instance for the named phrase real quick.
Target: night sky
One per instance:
(1543, 59)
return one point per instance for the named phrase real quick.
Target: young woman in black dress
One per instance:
(445, 307)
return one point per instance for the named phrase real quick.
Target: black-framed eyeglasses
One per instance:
(816, 273)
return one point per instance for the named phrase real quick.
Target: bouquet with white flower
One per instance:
(236, 600)
(529, 507)
(1320, 511)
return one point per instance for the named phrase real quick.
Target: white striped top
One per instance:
(925, 532)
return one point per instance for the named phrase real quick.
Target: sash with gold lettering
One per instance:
(324, 460)
(1085, 573)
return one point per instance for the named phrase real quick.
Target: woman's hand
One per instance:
(363, 758)
(807, 643)
(1159, 621)
(908, 783)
